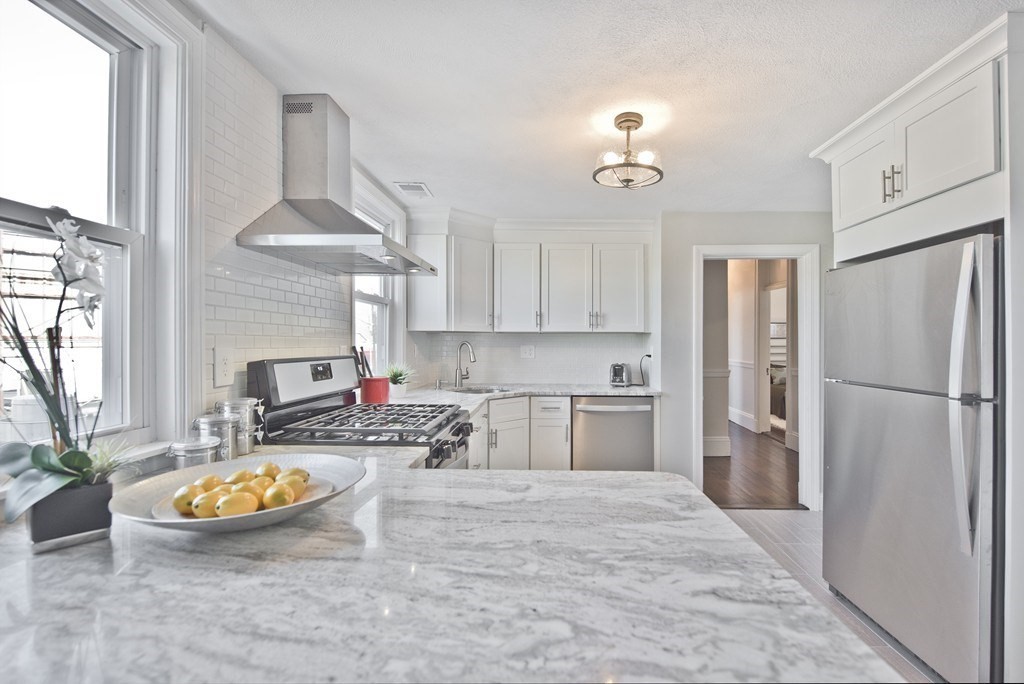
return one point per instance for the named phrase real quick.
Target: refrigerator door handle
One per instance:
(961, 504)
(958, 342)
(957, 351)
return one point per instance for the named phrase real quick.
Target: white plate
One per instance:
(329, 476)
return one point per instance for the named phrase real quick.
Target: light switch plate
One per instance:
(221, 367)
(527, 351)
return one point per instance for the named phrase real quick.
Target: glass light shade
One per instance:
(641, 169)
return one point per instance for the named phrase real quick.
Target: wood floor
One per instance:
(793, 539)
(760, 473)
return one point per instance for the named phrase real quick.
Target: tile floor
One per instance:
(793, 538)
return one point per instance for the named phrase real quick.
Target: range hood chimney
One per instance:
(314, 222)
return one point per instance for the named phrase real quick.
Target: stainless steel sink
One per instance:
(479, 390)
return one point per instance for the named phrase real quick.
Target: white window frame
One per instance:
(368, 198)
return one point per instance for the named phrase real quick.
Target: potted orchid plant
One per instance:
(64, 485)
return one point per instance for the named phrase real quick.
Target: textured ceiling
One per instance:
(502, 107)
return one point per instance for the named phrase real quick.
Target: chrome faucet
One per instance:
(461, 375)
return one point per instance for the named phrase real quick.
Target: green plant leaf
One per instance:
(45, 458)
(31, 487)
(15, 458)
(76, 460)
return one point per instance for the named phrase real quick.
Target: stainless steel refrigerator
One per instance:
(913, 454)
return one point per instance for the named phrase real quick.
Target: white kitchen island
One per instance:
(430, 576)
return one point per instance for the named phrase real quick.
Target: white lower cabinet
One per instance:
(509, 434)
(550, 434)
(477, 457)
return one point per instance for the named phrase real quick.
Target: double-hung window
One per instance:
(377, 301)
(65, 129)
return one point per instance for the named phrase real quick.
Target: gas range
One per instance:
(311, 401)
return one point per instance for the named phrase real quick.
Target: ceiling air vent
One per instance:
(413, 189)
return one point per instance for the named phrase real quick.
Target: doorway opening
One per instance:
(757, 417)
(750, 313)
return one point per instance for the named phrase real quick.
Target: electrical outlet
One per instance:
(222, 374)
(527, 351)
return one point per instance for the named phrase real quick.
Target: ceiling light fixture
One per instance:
(628, 169)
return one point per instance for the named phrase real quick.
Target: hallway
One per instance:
(760, 473)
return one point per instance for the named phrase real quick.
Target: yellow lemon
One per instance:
(183, 498)
(296, 483)
(205, 505)
(278, 495)
(263, 482)
(238, 503)
(293, 471)
(251, 488)
(209, 482)
(240, 476)
(270, 470)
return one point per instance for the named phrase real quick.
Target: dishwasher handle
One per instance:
(614, 408)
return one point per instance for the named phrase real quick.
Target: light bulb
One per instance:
(646, 157)
(612, 158)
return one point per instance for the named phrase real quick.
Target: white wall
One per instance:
(680, 233)
(716, 359)
(257, 306)
(742, 283)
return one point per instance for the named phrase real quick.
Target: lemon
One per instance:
(263, 482)
(293, 471)
(205, 505)
(278, 495)
(238, 503)
(209, 482)
(251, 488)
(270, 470)
(240, 476)
(296, 484)
(183, 498)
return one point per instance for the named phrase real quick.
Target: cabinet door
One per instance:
(428, 297)
(478, 443)
(951, 138)
(470, 293)
(510, 446)
(857, 183)
(619, 288)
(549, 445)
(567, 287)
(517, 287)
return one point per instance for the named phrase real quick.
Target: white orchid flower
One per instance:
(82, 248)
(65, 228)
(89, 304)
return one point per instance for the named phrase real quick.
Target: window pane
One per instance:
(371, 333)
(369, 284)
(55, 118)
(92, 369)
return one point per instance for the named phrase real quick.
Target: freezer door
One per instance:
(893, 531)
(891, 322)
(612, 433)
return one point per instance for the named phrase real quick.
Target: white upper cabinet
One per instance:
(948, 139)
(951, 138)
(470, 296)
(567, 287)
(460, 297)
(517, 287)
(619, 288)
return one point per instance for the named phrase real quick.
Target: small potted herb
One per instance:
(398, 375)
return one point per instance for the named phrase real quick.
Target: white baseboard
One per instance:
(793, 441)
(743, 419)
(717, 446)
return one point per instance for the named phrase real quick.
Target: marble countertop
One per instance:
(471, 401)
(419, 575)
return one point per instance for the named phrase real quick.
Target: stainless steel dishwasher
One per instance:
(612, 433)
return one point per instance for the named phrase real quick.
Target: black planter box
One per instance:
(68, 516)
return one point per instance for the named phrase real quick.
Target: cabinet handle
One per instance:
(566, 433)
(597, 319)
(590, 320)
(896, 172)
(536, 315)
(886, 195)
(493, 441)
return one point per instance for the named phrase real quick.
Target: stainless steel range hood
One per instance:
(314, 222)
